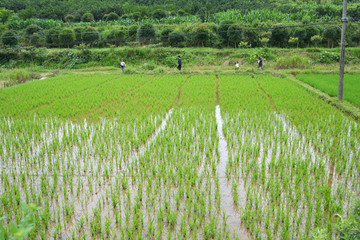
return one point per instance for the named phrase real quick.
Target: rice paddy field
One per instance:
(175, 157)
(328, 83)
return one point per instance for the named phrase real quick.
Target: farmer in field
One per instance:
(179, 63)
(260, 62)
(237, 65)
(122, 64)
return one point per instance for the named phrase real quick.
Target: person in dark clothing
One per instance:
(179, 63)
(260, 62)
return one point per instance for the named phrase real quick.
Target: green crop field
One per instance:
(329, 83)
(174, 157)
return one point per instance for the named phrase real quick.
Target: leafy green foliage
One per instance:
(10, 38)
(87, 17)
(146, 32)
(90, 35)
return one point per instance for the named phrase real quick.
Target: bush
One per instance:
(87, 17)
(146, 32)
(112, 17)
(67, 37)
(116, 37)
(35, 39)
(10, 38)
(294, 61)
(132, 32)
(328, 57)
(181, 13)
(69, 18)
(165, 34)
(31, 29)
(52, 37)
(89, 35)
(177, 38)
(159, 14)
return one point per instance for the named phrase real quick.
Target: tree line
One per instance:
(226, 34)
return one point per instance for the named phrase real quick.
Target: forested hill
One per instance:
(59, 9)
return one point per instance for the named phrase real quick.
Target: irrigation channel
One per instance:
(232, 212)
(95, 198)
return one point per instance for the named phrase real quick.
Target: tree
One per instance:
(332, 34)
(202, 14)
(5, 15)
(159, 14)
(165, 34)
(300, 34)
(310, 32)
(32, 28)
(280, 37)
(132, 32)
(146, 32)
(67, 37)
(177, 38)
(252, 37)
(223, 31)
(316, 40)
(87, 17)
(10, 38)
(201, 34)
(90, 35)
(112, 17)
(235, 34)
(116, 37)
(294, 41)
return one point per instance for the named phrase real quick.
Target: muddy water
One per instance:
(227, 202)
(93, 200)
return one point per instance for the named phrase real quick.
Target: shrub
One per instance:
(90, 35)
(294, 61)
(52, 37)
(165, 34)
(136, 15)
(31, 29)
(181, 13)
(116, 37)
(10, 38)
(177, 38)
(146, 32)
(112, 17)
(35, 39)
(159, 14)
(132, 32)
(69, 18)
(87, 17)
(67, 37)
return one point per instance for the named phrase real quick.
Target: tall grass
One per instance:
(294, 61)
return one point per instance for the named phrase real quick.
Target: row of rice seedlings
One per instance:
(172, 190)
(69, 164)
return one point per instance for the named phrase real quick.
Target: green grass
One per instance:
(328, 83)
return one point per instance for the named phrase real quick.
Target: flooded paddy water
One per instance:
(196, 158)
